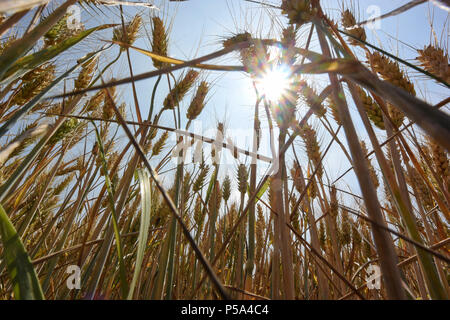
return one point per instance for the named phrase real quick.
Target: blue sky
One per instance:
(199, 26)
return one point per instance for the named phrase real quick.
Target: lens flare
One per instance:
(274, 83)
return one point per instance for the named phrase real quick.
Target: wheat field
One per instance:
(339, 191)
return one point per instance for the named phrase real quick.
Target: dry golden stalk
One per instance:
(348, 21)
(435, 61)
(198, 102)
(298, 11)
(372, 172)
(179, 91)
(131, 29)
(159, 41)
(390, 201)
(309, 135)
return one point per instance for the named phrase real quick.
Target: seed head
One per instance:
(296, 174)
(423, 192)
(226, 188)
(309, 136)
(179, 91)
(440, 160)
(64, 130)
(348, 21)
(334, 111)
(109, 102)
(435, 61)
(33, 83)
(322, 234)
(216, 198)
(198, 214)
(60, 32)
(299, 12)
(373, 174)
(242, 177)
(159, 145)
(288, 40)
(345, 230)
(312, 189)
(254, 57)
(85, 75)
(159, 41)
(131, 29)
(390, 71)
(334, 205)
(200, 181)
(95, 101)
(60, 187)
(312, 99)
(198, 102)
(374, 112)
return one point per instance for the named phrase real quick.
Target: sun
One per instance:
(274, 83)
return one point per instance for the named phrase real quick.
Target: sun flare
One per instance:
(274, 83)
